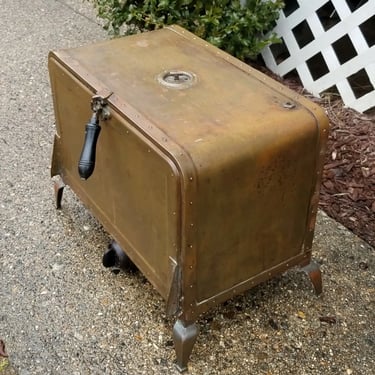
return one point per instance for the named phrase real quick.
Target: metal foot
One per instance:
(58, 185)
(184, 337)
(313, 272)
(116, 257)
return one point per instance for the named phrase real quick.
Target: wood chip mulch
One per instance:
(348, 185)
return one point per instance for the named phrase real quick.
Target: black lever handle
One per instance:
(86, 163)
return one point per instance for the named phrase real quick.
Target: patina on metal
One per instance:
(212, 169)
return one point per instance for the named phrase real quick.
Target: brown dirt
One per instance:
(348, 187)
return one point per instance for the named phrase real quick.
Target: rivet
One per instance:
(173, 213)
(127, 132)
(190, 246)
(190, 203)
(172, 175)
(191, 286)
(191, 178)
(191, 267)
(287, 264)
(191, 224)
(148, 150)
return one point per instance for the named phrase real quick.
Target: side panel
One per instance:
(134, 190)
(253, 206)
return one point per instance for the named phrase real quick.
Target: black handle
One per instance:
(86, 163)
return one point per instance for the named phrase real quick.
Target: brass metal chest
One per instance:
(205, 171)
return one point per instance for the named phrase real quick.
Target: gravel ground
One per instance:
(61, 312)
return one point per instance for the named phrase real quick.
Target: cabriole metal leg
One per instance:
(58, 185)
(184, 337)
(313, 272)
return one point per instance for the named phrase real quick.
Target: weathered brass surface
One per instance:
(209, 181)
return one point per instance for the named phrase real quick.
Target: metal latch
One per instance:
(99, 105)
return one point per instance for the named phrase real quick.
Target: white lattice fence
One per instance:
(330, 43)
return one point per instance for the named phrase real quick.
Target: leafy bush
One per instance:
(236, 28)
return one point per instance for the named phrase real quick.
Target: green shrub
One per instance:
(227, 24)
